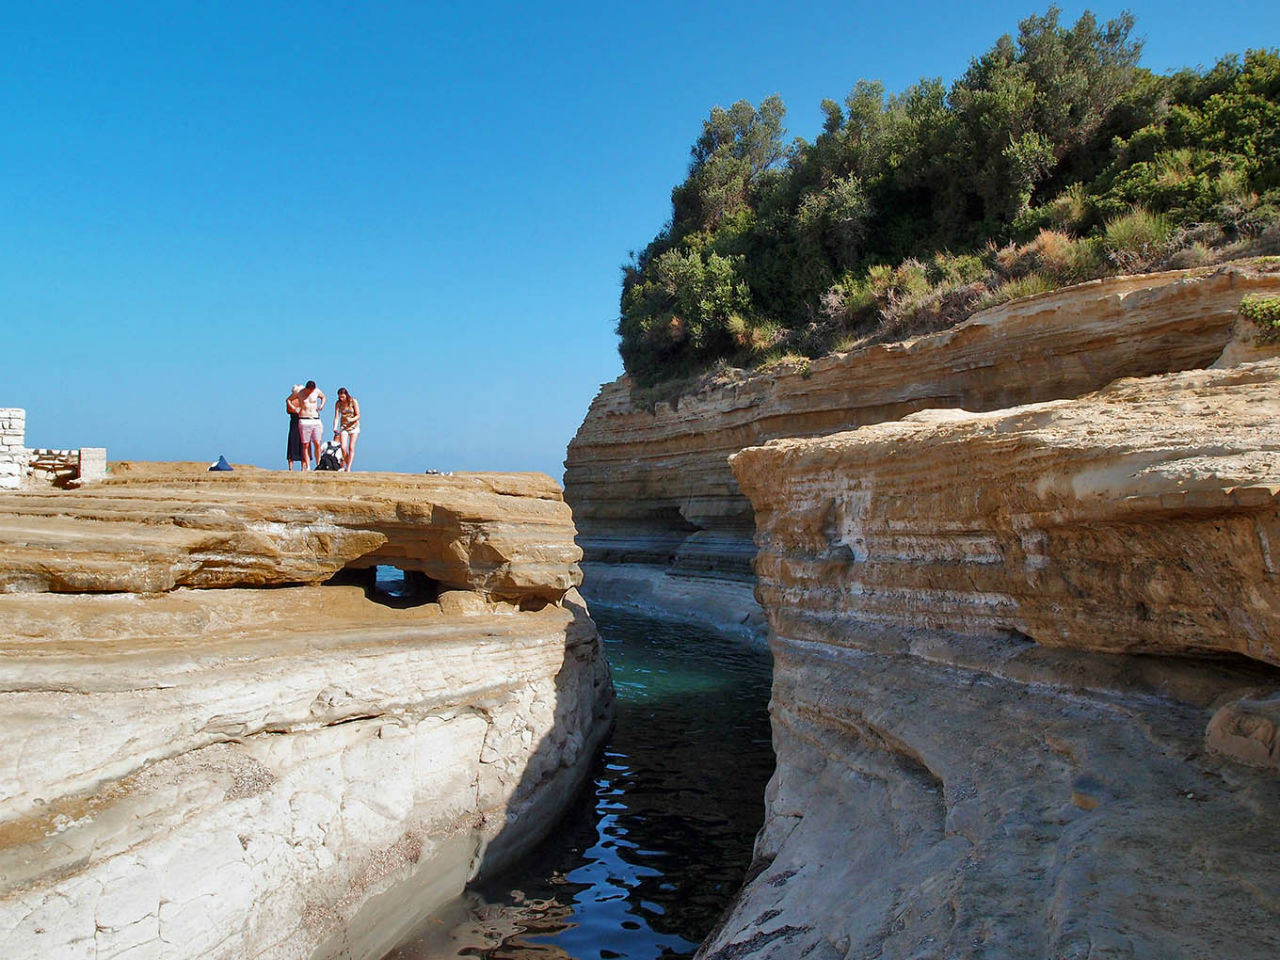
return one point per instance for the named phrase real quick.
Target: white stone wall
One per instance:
(13, 453)
(58, 467)
(93, 463)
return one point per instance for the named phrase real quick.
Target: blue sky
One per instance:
(207, 202)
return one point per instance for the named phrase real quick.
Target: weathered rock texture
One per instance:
(661, 518)
(1025, 698)
(279, 773)
(1140, 519)
(505, 536)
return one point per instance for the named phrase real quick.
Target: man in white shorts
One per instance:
(311, 402)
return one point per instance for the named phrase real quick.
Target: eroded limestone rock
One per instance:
(1144, 518)
(506, 536)
(292, 772)
(1024, 680)
(655, 488)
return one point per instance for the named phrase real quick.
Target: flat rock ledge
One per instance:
(1026, 694)
(662, 519)
(304, 771)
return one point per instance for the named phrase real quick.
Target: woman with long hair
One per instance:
(346, 425)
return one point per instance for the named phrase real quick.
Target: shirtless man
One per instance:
(310, 403)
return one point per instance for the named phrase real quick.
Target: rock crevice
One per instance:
(1020, 583)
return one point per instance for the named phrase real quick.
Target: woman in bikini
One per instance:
(346, 425)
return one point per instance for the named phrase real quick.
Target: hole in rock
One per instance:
(402, 588)
(390, 586)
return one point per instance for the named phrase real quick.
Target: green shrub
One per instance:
(1233, 186)
(846, 343)
(953, 268)
(1071, 209)
(1086, 259)
(764, 335)
(1265, 314)
(1054, 159)
(1194, 254)
(1136, 238)
(781, 358)
(880, 279)
(944, 306)
(1010, 261)
(684, 315)
(846, 299)
(911, 280)
(736, 326)
(1025, 286)
(1054, 252)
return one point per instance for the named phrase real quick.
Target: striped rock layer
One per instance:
(302, 771)
(662, 519)
(1026, 695)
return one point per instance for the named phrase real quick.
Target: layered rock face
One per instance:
(504, 536)
(300, 771)
(1026, 688)
(661, 517)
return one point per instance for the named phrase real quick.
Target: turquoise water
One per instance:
(658, 842)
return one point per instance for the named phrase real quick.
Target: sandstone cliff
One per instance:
(1026, 697)
(1023, 598)
(290, 772)
(660, 515)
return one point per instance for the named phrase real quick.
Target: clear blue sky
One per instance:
(204, 203)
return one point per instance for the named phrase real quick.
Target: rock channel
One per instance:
(1025, 622)
(216, 752)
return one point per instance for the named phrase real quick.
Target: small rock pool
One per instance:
(657, 843)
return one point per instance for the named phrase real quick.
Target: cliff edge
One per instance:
(1022, 591)
(1026, 690)
(662, 520)
(225, 743)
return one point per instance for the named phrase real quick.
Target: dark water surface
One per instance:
(657, 844)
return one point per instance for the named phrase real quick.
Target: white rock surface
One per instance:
(299, 772)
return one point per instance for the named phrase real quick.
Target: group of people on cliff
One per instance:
(304, 406)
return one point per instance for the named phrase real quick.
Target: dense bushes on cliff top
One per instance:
(1055, 158)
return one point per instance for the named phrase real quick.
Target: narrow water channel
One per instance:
(658, 842)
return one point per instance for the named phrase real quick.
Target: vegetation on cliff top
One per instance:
(1055, 158)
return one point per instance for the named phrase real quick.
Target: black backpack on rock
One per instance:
(330, 456)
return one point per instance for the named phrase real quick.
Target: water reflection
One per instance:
(650, 855)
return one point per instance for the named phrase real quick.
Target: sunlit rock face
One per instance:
(1026, 684)
(662, 519)
(504, 536)
(301, 771)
